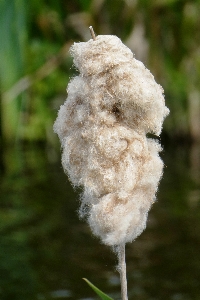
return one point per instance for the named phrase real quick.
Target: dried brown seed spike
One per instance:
(92, 33)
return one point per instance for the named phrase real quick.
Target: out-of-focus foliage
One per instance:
(164, 34)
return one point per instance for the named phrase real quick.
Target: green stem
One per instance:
(2, 166)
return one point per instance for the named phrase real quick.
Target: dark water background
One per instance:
(45, 250)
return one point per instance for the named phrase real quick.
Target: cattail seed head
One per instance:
(102, 126)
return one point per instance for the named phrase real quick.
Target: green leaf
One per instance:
(97, 291)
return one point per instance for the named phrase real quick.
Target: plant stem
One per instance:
(122, 271)
(92, 33)
(2, 166)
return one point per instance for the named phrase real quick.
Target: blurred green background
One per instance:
(35, 66)
(44, 249)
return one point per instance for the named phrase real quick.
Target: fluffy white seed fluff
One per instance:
(102, 126)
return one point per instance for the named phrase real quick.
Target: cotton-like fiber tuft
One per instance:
(102, 126)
